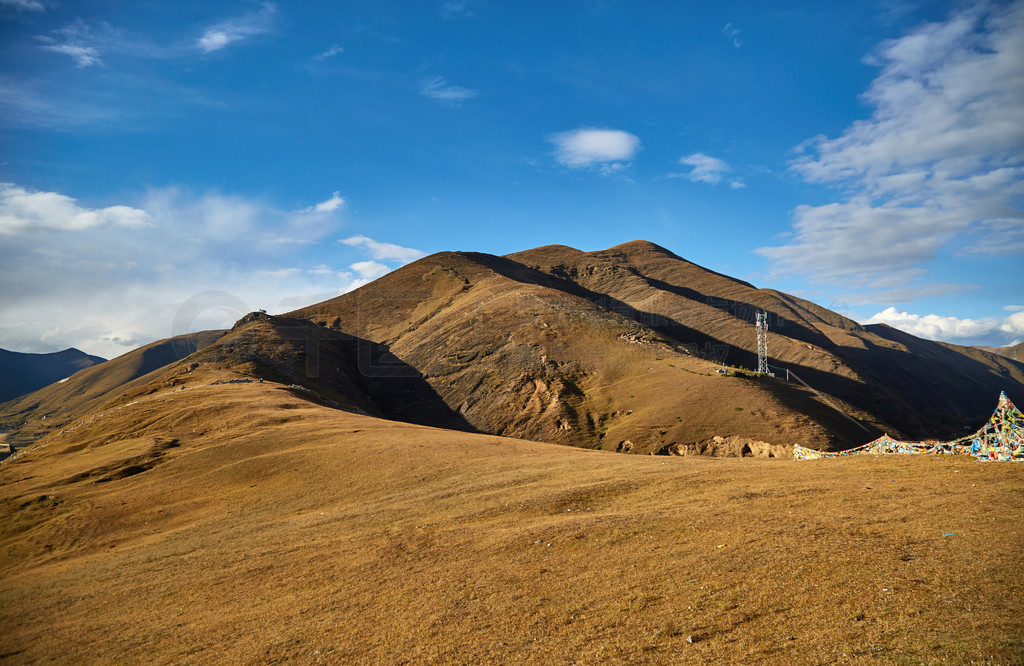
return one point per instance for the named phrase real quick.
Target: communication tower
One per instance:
(762, 342)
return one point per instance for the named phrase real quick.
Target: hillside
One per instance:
(89, 390)
(1014, 352)
(22, 373)
(619, 349)
(237, 521)
(921, 388)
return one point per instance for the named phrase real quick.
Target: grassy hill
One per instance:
(235, 521)
(89, 390)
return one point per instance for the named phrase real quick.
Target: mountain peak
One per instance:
(641, 246)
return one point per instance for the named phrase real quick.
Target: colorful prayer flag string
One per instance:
(1001, 438)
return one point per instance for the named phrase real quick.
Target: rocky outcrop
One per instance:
(733, 446)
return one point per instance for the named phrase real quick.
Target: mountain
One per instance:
(620, 349)
(1015, 352)
(22, 373)
(630, 349)
(90, 389)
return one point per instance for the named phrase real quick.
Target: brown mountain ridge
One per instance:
(620, 349)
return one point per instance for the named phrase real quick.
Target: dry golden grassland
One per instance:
(240, 523)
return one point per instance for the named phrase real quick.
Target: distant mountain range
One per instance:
(22, 373)
(630, 349)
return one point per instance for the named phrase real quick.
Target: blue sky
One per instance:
(169, 166)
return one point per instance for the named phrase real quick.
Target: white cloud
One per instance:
(329, 53)
(80, 40)
(384, 251)
(938, 166)
(84, 56)
(281, 272)
(438, 89)
(998, 332)
(370, 270)
(24, 5)
(732, 34)
(106, 279)
(706, 169)
(22, 210)
(328, 206)
(237, 29)
(588, 146)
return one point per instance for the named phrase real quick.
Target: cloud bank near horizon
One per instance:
(109, 279)
(1003, 332)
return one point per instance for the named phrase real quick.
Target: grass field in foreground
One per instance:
(239, 523)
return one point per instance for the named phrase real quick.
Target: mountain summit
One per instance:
(622, 349)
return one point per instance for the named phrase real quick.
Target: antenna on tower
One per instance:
(762, 342)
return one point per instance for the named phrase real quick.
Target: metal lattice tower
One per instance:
(762, 342)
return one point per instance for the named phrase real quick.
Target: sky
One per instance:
(170, 166)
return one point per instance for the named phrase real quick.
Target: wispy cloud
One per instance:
(732, 34)
(610, 151)
(84, 56)
(329, 53)
(908, 291)
(328, 206)
(707, 169)
(439, 90)
(21, 105)
(24, 5)
(455, 9)
(237, 29)
(383, 251)
(77, 40)
(939, 163)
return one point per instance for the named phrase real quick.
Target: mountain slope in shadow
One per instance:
(22, 373)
